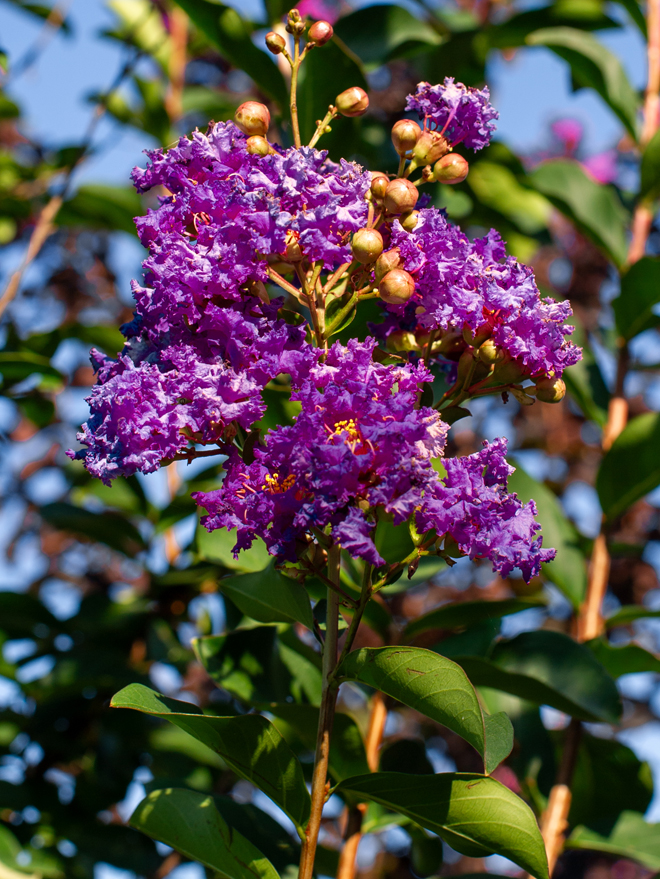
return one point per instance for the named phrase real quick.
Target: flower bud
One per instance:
(275, 43)
(387, 261)
(292, 253)
(294, 22)
(489, 353)
(401, 340)
(429, 148)
(400, 196)
(367, 245)
(352, 102)
(320, 32)
(257, 145)
(397, 287)
(550, 390)
(409, 220)
(379, 184)
(253, 118)
(451, 169)
(478, 336)
(451, 345)
(405, 134)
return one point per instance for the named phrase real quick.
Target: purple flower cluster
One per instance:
(359, 448)
(463, 284)
(205, 339)
(460, 114)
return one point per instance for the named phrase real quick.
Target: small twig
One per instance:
(320, 128)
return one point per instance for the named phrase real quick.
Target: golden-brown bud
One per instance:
(275, 43)
(451, 169)
(352, 102)
(410, 220)
(387, 261)
(397, 287)
(253, 118)
(400, 196)
(257, 145)
(550, 390)
(320, 33)
(489, 353)
(379, 184)
(367, 245)
(402, 340)
(405, 134)
(429, 148)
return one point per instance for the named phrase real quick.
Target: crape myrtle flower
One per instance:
(460, 114)
(358, 447)
(462, 284)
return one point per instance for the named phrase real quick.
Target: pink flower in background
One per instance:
(325, 9)
(569, 132)
(602, 166)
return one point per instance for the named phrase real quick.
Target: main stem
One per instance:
(293, 103)
(326, 715)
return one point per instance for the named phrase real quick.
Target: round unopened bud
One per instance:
(320, 32)
(451, 169)
(410, 220)
(476, 337)
(292, 253)
(429, 148)
(489, 353)
(352, 102)
(379, 184)
(367, 245)
(405, 134)
(397, 287)
(400, 196)
(550, 390)
(253, 118)
(257, 145)
(275, 43)
(451, 345)
(401, 340)
(387, 261)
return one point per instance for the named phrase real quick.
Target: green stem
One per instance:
(284, 284)
(402, 166)
(365, 595)
(320, 128)
(294, 88)
(421, 550)
(326, 715)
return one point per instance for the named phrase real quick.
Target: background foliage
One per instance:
(110, 587)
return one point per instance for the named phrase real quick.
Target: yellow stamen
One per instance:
(275, 485)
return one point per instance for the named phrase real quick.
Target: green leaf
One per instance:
(624, 660)
(475, 814)
(631, 838)
(499, 740)
(230, 34)
(628, 614)
(548, 668)
(381, 32)
(249, 743)
(267, 834)
(584, 380)
(640, 293)
(568, 569)
(464, 613)
(102, 207)
(649, 184)
(216, 546)
(429, 683)
(112, 529)
(515, 30)
(17, 365)
(593, 66)
(634, 10)
(595, 209)
(631, 468)
(191, 823)
(498, 188)
(269, 597)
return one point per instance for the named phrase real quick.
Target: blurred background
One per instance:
(104, 586)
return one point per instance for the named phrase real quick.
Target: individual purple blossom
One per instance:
(461, 114)
(359, 449)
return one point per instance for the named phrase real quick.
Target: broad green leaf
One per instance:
(264, 832)
(475, 814)
(405, 755)
(568, 569)
(429, 683)
(347, 754)
(112, 529)
(230, 34)
(631, 838)
(17, 365)
(190, 823)
(249, 743)
(631, 468)
(649, 185)
(628, 614)
(141, 25)
(634, 10)
(216, 546)
(499, 740)
(497, 187)
(465, 613)
(303, 664)
(624, 660)
(584, 380)
(269, 597)
(515, 30)
(381, 32)
(640, 293)
(548, 668)
(595, 209)
(593, 66)
(104, 207)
